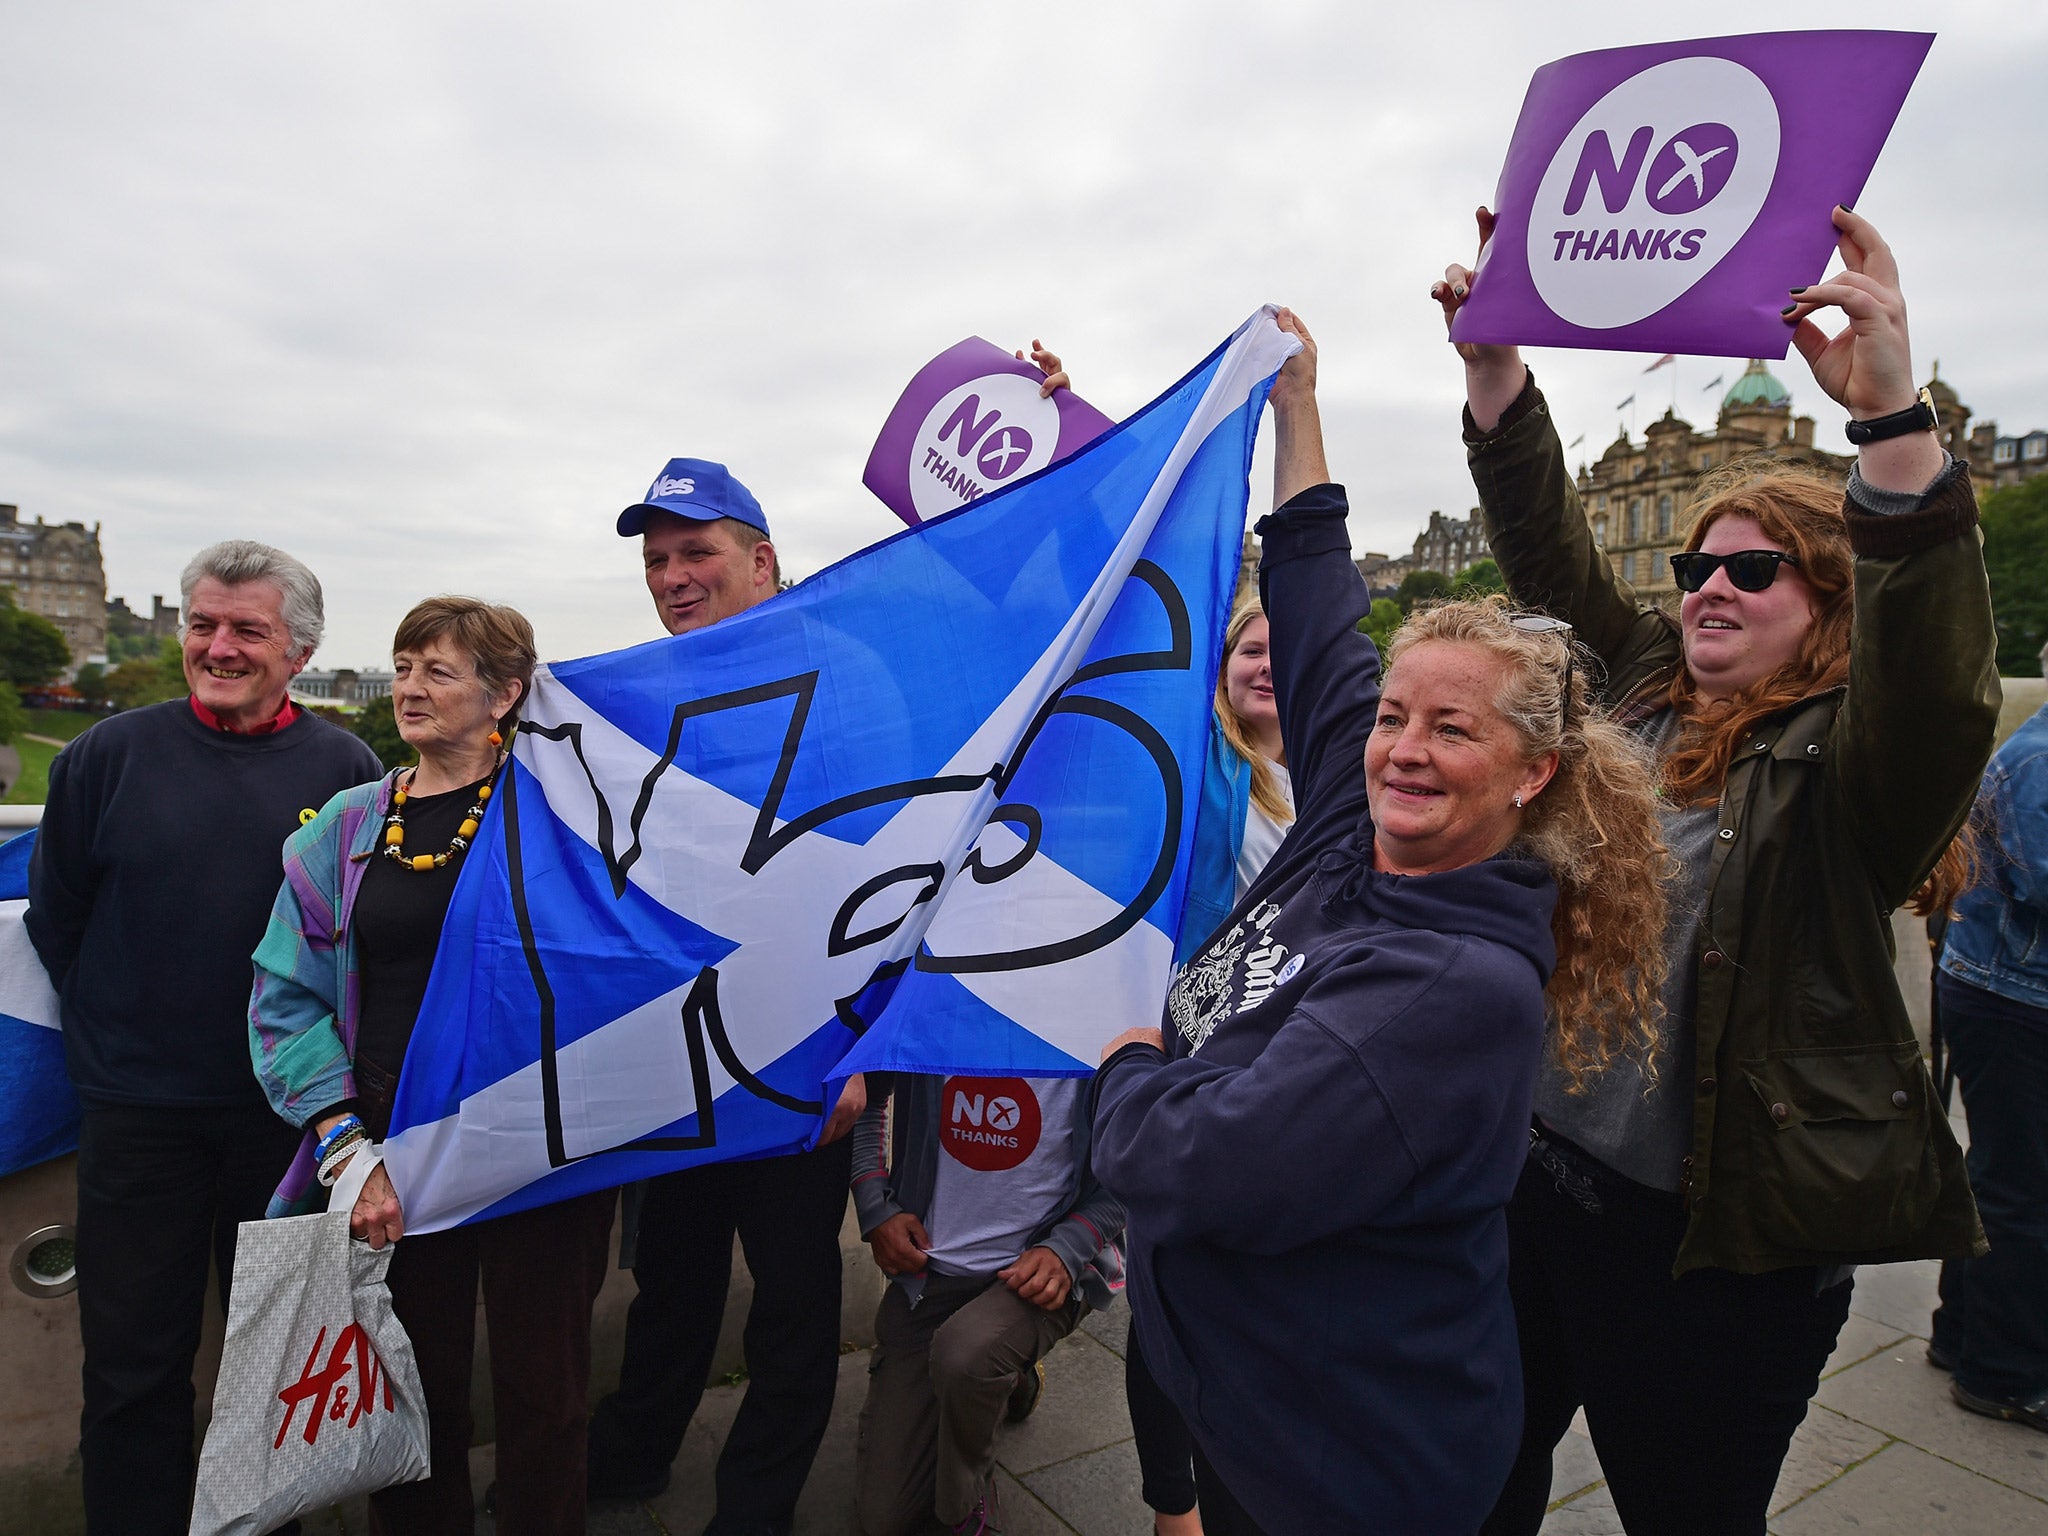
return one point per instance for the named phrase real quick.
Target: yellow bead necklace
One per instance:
(427, 863)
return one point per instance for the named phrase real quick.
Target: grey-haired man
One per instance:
(152, 879)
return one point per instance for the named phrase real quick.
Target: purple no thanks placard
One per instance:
(1664, 198)
(970, 422)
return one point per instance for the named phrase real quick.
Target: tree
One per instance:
(32, 649)
(1381, 623)
(91, 683)
(378, 728)
(1479, 578)
(13, 721)
(2015, 523)
(147, 679)
(1421, 587)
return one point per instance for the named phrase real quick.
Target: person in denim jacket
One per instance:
(1992, 1326)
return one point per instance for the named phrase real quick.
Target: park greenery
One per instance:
(32, 649)
(1420, 588)
(2015, 520)
(378, 728)
(148, 678)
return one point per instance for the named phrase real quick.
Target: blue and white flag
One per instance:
(929, 811)
(38, 1110)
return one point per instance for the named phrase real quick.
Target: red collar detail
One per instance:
(213, 722)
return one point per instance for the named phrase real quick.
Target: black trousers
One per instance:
(1222, 1515)
(787, 1212)
(1165, 1448)
(1993, 1318)
(540, 1271)
(160, 1192)
(1692, 1387)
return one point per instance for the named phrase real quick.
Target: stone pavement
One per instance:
(1883, 1451)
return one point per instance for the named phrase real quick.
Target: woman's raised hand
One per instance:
(1298, 461)
(1494, 376)
(1297, 380)
(1868, 368)
(1049, 365)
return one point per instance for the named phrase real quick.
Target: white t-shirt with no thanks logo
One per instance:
(1006, 1168)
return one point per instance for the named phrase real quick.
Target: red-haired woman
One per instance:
(1822, 706)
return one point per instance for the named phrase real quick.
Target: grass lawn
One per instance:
(60, 723)
(33, 787)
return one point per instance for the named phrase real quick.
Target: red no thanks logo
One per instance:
(989, 1124)
(326, 1389)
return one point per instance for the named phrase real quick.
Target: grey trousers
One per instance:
(941, 1379)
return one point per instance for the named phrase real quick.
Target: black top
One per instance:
(398, 917)
(153, 876)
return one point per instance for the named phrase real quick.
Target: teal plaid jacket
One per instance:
(303, 1007)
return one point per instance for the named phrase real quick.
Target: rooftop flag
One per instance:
(929, 810)
(1664, 198)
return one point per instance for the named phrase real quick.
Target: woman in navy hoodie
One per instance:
(1317, 1149)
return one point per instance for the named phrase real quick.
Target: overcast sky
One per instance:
(426, 293)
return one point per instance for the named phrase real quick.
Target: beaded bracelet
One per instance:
(340, 1128)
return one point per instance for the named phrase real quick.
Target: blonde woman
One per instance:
(1247, 807)
(1317, 1150)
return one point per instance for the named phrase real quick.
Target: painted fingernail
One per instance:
(1796, 290)
(1458, 292)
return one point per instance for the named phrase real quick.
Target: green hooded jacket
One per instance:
(1818, 1137)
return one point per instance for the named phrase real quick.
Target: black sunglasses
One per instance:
(1749, 570)
(1544, 624)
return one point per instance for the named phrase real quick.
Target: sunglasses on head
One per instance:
(1749, 570)
(1544, 624)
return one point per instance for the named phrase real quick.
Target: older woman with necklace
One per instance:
(340, 977)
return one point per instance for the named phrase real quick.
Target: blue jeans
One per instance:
(1993, 1318)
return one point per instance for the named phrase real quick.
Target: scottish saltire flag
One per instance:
(929, 811)
(38, 1110)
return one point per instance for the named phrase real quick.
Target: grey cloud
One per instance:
(427, 294)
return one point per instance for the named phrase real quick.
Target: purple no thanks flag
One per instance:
(1664, 198)
(970, 422)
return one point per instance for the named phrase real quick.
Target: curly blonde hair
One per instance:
(1236, 729)
(1595, 824)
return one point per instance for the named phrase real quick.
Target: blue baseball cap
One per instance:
(697, 489)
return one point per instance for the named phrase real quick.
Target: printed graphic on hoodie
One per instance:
(1245, 964)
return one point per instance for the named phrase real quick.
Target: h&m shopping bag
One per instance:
(318, 1397)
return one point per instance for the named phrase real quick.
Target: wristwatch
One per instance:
(1917, 417)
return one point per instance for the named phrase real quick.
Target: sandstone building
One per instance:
(56, 571)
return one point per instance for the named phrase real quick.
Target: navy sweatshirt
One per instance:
(160, 855)
(1317, 1169)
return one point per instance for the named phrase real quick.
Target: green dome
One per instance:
(1756, 387)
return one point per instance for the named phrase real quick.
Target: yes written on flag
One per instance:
(928, 811)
